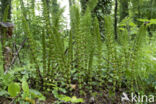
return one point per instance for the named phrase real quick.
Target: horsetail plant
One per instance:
(98, 52)
(135, 56)
(111, 49)
(33, 55)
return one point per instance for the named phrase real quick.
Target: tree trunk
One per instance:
(4, 5)
(123, 9)
(115, 19)
(70, 3)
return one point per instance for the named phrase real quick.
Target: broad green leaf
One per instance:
(132, 24)
(25, 87)
(153, 21)
(143, 20)
(13, 89)
(66, 99)
(74, 99)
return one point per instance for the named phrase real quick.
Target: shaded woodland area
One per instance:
(104, 54)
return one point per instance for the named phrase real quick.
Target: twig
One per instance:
(108, 61)
(16, 55)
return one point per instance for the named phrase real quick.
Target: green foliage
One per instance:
(5, 80)
(124, 8)
(74, 99)
(30, 94)
(36, 94)
(147, 21)
(92, 4)
(3, 93)
(77, 61)
(65, 99)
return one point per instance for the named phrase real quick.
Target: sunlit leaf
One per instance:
(13, 89)
(25, 86)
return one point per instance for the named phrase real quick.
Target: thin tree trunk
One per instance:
(115, 19)
(123, 9)
(70, 3)
(150, 17)
(5, 10)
